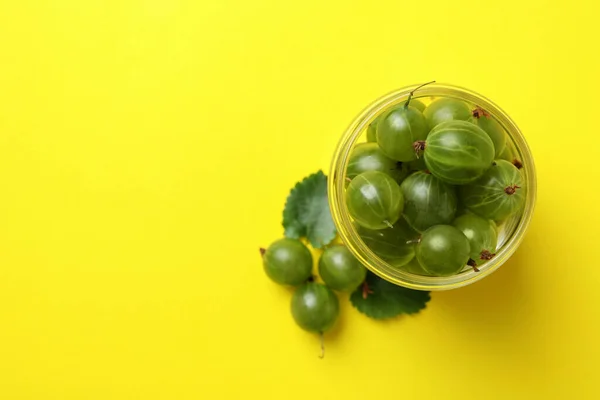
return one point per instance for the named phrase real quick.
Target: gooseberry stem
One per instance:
(412, 92)
(471, 263)
(486, 255)
(479, 112)
(262, 251)
(517, 163)
(511, 189)
(419, 146)
(322, 355)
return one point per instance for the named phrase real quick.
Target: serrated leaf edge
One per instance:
(300, 233)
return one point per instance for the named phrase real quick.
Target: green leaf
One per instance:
(386, 300)
(306, 212)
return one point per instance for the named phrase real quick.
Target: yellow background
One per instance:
(146, 151)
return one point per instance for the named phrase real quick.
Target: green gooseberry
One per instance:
(374, 200)
(369, 157)
(315, 307)
(506, 154)
(287, 262)
(443, 250)
(419, 105)
(499, 193)
(485, 121)
(427, 201)
(446, 109)
(372, 130)
(340, 270)
(457, 152)
(482, 235)
(396, 243)
(412, 267)
(398, 129)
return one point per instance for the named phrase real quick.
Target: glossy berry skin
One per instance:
(482, 235)
(507, 154)
(458, 152)
(396, 243)
(419, 105)
(412, 267)
(427, 201)
(374, 200)
(443, 250)
(340, 270)
(288, 262)
(369, 157)
(446, 109)
(372, 130)
(494, 131)
(315, 307)
(499, 193)
(398, 129)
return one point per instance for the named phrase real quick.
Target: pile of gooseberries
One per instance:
(431, 185)
(314, 306)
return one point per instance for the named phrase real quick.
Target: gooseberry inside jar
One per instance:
(453, 171)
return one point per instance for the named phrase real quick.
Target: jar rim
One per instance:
(343, 222)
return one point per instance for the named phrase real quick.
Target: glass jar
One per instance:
(510, 233)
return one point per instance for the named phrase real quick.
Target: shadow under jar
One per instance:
(479, 113)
